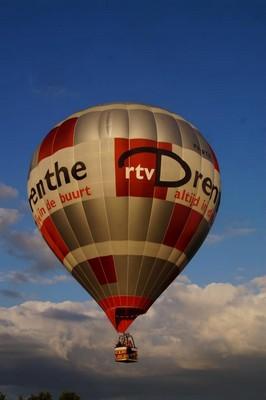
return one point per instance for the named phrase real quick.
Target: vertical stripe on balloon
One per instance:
(176, 224)
(122, 185)
(160, 192)
(54, 239)
(65, 135)
(214, 160)
(104, 269)
(182, 226)
(47, 145)
(58, 138)
(192, 223)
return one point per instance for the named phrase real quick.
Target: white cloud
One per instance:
(242, 231)
(27, 245)
(17, 277)
(183, 278)
(260, 282)
(214, 238)
(190, 331)
(232, 232)
(30, 246)
(8, 216)
(194, 327)
(7, 191)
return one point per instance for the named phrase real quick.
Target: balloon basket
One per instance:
(125, 349)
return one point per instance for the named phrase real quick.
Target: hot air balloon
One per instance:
(124, 195)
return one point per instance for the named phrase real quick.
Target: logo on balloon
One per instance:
(157, 170)
(140, 171)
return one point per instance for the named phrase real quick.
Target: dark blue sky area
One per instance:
(204, 60)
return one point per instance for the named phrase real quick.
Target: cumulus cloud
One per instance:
(194, 341)
(29, 246)
(28, 276)
(232, 232)
(7, 191)
(8, 216)
(260, 282)
(35, 256)
(244, 231)
(213, 238)
(13, 294)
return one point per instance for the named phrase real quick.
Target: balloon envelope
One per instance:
(124, 195)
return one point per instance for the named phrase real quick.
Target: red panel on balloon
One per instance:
(47, 145)
(135, 176)
(123, 310)
(190, 229)
(160, 192)
(65, 135)
(136, 167)
(214, 160)
(122, 184)
(176, 224)
(54, 239)
(125, 301)
(104, 269)
(58, 138)
(183, 225)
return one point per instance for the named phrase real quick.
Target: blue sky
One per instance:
(203, 60)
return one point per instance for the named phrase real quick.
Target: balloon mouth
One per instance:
(123, 310)
(122, 317)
